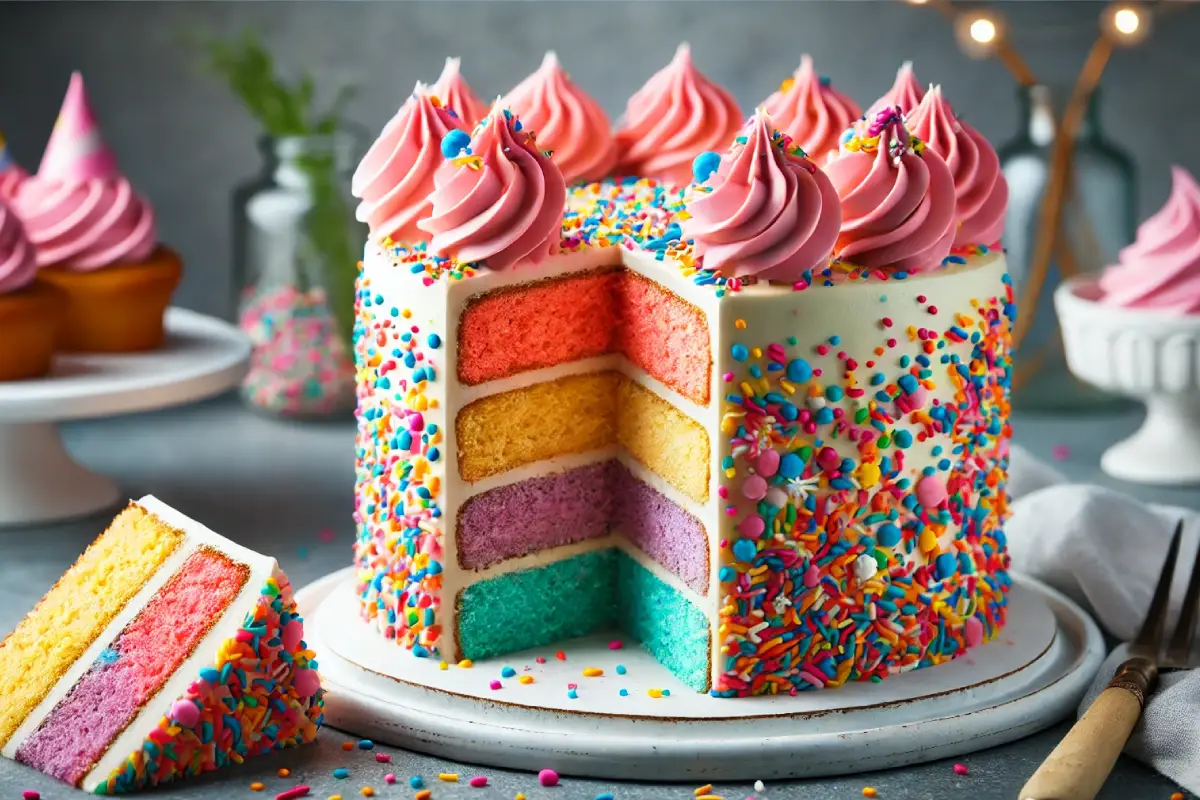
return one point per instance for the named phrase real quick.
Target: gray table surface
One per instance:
(277, 486)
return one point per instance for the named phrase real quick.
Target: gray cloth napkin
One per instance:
(1104, 550)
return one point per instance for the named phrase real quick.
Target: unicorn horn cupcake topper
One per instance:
(77, 151)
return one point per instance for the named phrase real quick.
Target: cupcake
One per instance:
(30, 309)
(11, 174)
(96, 239)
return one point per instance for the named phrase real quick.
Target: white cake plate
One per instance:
(1034, 675)
(39, 480)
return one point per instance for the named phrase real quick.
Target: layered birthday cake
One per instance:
(748, 407)
(165, 651)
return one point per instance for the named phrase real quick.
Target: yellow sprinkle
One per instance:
(406, 314)
(869, 791)
(448, 777)
(257, 787)
(655, 693)
(424, 794)
(335, 797)
(525, 679)
(367, 791)
(740, 324)
(520, 796)
(705, 789)
(710, 797)
(283, 772)
(466, 663)
(592, 672)
(442, 665)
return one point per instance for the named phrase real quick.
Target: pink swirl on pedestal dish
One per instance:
(677, 115)
(500, 201)
(897, 198)
(980, 189)
(771, 213)
(809, 110)
(18, 260)
(395, 177)
(79, 211)
(906, 93)
(1160, 271)
(452, 90)
(568, 123)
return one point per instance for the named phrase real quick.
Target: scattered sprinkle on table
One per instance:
(443, 666)
(347, 746)
(548, 777)
(870, 791)
(592, 672)
(366, 744)
(326, 535)
(293, 793)
(416, 782)
(341, 773)
(525, 679)
(283, 772)
(257, 787)
(621, 669)
(519, 796)
(479, 781)
(960, 769)
(383, 758)
(424, 794)
(1177, 796)
(709, 797)
(466, 663)
(624, 693)
(605, 796)
(30, 794)
(759, 786)
(448, 777)
(367, 791)
(507, 672)
(335, 797)
(573, 694)
(560, 655)
(1060, 452)
(390, 778)
(495, 684)
(540, 660)
(703, 790)
(615, 644)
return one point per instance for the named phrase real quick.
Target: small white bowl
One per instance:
(1148, 355)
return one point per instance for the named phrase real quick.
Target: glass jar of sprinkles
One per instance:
(296, 243)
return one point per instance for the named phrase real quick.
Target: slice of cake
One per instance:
(166, 650)
(758, 422)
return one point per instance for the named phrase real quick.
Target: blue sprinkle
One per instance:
(507, 672)
(571, 693)
(945, 566)
(623, 693)
(791, 465)
(739, 352)
(434, 341)
(416, 782)
(341, 773)
(744, 550)
(908, 384)
(799, 371)
(454, 142)
(704, 165)
(366, 744)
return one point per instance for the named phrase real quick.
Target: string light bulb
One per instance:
(980, 33)
(1126, 24)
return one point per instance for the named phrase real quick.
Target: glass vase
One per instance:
(1098, 220)
(296, 243)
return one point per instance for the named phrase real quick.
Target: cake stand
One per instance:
(1032, 676)
(39, 480)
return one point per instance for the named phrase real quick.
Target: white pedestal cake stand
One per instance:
(1032, 676)
(39, 481)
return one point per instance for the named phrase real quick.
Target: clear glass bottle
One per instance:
(1099, 219)
(296, 246)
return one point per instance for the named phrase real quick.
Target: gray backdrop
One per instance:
(186, 142)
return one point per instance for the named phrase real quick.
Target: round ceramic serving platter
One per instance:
(1032, 676)
(39, 481)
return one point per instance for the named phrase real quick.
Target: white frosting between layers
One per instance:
(203, 655)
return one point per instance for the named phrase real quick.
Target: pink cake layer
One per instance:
(557, 321)
(577, 504)
(132, 670)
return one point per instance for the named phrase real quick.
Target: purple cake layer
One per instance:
(577, 504)
(535, 514)
(664, 531)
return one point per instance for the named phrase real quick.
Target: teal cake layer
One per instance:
(666, 623)
(581, 595)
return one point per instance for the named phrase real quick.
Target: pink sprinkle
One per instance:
(548, 777)
(292, 794)
(495, 684)
(615, 644)
(30, 794)
(932, 309)
(326, 535)
(887, 322)
(960, 769)
(479, 781)
(383, 758)
(728, 376)
(572, 685)
(540, 660)
(1060, 452)
(389, 778)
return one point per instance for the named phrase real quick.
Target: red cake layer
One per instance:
(560, 320)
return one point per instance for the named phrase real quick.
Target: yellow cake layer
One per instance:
(577, 414)
(77, 610)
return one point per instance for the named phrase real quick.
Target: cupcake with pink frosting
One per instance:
(498, 199)
(809, 110)
(11, 174)
(980, 189)
(30, 309)
(96, 238)
(1160, 271)
(906, 92)
(677, 115)
(395, 177)
(897, 197)
(568, 123)
(762, 210)
(454, 93)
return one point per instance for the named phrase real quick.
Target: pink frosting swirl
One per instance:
(677, 115)
(897, 197)
(906, 92)
(808, 109)
(771, 213)
(395, 177)
(500, 202)
(454, 93)
(1161, 269)
(569, 123)
(18, 259)
(980, 190)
